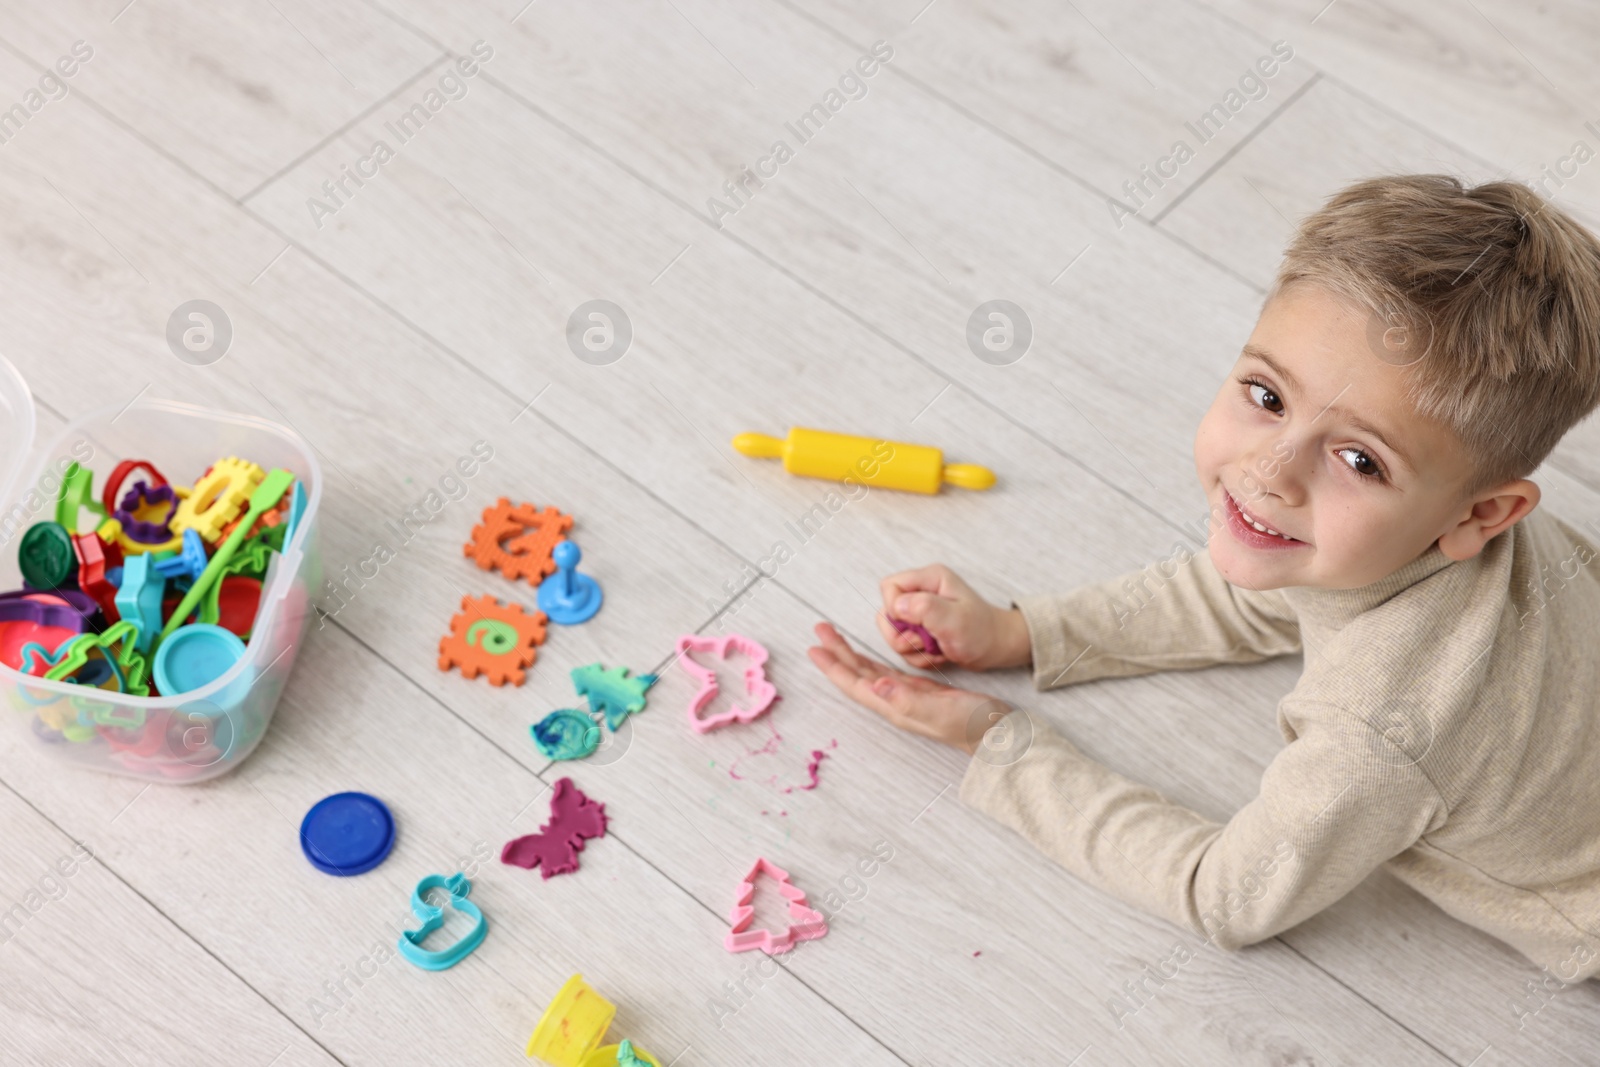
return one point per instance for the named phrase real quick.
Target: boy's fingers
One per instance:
(832, 665)
(869, 683)
(928, 578)
(826, 662)
(927, 610)
(837, 645)
(908, 645)
(839, 650)
(837, 673)
(833, 642)
(910, 606)
(898, 641)
(852, 684)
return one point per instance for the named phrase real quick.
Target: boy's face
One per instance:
(1312, 436)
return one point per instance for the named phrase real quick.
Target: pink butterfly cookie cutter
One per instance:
(805, 923)
(760, 691)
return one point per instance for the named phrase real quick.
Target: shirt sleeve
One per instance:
(1334, 805)
(1175, 614)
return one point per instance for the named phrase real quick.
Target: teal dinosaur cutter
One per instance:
(432, 918)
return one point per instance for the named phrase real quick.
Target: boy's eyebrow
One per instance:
(1257, 352)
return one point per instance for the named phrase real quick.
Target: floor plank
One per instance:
(94, 973)
(238, 89)
(1508, 82)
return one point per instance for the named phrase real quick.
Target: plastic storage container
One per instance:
(185, 737)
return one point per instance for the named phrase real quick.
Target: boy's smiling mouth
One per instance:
(1252, 532)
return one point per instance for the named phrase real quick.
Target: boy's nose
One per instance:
(1273, 470)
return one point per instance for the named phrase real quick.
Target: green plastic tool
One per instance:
(267, 495)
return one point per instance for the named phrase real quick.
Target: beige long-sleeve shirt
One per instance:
(1446, 724)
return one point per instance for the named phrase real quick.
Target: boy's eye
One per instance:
(1265, 398)
(1361, 463)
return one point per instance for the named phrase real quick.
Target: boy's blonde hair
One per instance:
(1488, 295)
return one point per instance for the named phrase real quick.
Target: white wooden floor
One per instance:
(429, 312)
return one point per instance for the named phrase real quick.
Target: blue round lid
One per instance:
(347, 833)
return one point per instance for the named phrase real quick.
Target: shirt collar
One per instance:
(1335, 607)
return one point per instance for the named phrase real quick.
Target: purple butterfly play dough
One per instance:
(554, 849)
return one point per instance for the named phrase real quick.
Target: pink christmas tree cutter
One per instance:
(805, 924)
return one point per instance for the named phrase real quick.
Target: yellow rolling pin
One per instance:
(874, 462)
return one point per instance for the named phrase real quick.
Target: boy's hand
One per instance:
(971, 632)
(955, 717)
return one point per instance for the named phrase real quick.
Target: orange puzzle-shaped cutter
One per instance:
(517, 540)
(493, 639)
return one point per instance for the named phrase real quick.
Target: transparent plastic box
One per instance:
(185, 737)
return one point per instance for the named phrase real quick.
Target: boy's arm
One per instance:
(1334, 805)
(1171, 615)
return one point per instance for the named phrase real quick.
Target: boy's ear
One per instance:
(1493, 512)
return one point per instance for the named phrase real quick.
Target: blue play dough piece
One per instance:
(566, 596)
(347, 833)
(193, 656)
(566, 734)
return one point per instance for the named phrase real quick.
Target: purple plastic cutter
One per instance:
(16, 607)
(147, 533)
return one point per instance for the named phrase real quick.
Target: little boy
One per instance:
(1424, 347)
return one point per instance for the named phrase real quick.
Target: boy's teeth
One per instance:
(1263, 529)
